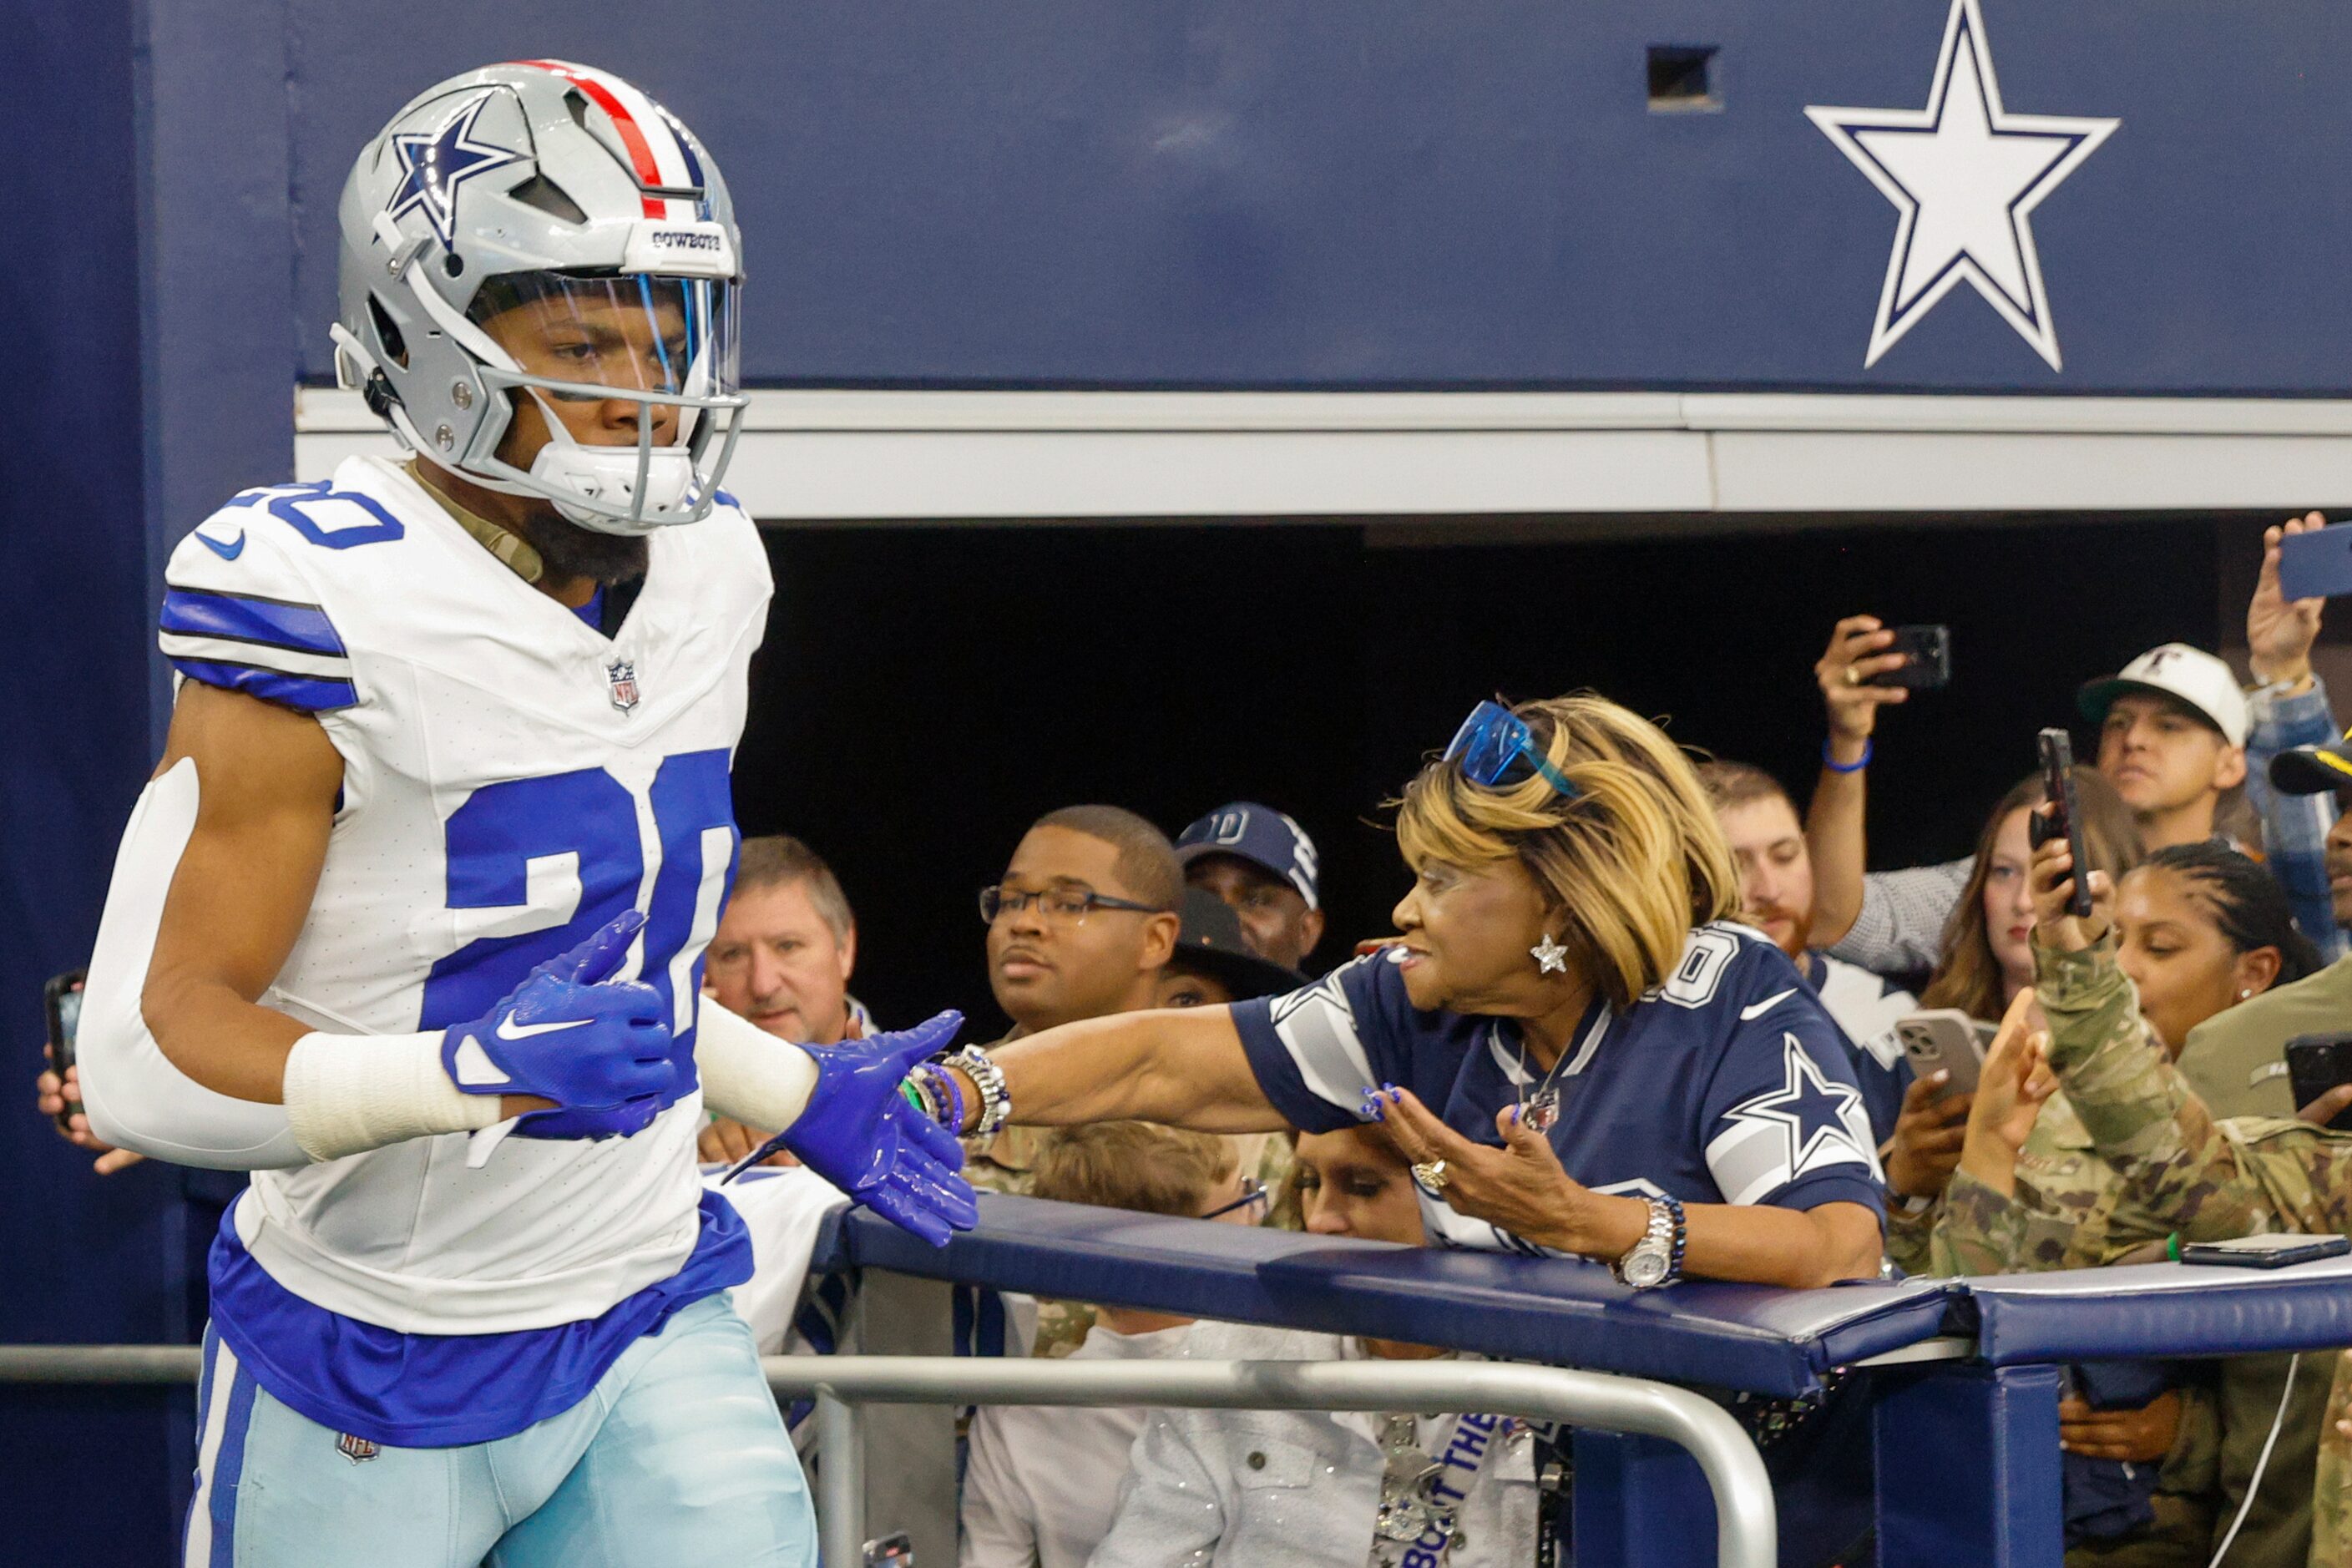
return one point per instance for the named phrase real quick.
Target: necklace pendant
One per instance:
(1541, 1110)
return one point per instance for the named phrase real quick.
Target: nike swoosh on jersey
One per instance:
(229, 551)
(1749, 1015)
(509, 1030)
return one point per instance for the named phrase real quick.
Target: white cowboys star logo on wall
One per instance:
(1966, 176)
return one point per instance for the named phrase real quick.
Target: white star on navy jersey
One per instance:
(433, 167)
(1965, 175)
(1810, 1111)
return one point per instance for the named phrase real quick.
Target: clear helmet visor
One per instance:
(637, 381)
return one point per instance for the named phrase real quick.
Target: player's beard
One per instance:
(568, 550)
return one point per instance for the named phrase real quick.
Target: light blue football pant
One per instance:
(677, 1458)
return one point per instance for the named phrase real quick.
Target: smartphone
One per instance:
(2266, 1251)
(2317, 1063)
(2058, 788)
(61, 1000)
(1928, 653)
(1944, 1038)
(2316, 565)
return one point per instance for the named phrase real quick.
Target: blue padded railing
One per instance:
(1558, 1312)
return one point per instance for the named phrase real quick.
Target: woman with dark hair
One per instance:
(2182, 1168)
(2200, 928)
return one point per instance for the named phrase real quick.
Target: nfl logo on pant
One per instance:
(622, 675)
(358, 1450)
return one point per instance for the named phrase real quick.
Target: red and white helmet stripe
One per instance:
(658, 155)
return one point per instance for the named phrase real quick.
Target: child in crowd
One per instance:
(1214, 1487)
(1041, 1479)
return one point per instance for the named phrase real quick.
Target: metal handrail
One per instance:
(1746, 1525)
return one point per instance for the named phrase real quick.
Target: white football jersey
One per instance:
(512, 779)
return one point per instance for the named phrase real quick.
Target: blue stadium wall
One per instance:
(1049, 194)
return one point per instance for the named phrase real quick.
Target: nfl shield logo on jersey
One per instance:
(358, 1450)
(623, 677)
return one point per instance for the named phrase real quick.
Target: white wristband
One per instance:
(346, 1094)
(747, 1073)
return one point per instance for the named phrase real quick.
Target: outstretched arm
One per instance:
(1182, 1067)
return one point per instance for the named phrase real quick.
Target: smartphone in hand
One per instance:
(1928, 658)
(61, 1000)
(2317, 1063)
(1945, 1039)
(2318, 565)
(2065, 819)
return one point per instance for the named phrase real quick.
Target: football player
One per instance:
(410, 920)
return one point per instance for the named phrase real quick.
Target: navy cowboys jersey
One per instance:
(1726, 1085)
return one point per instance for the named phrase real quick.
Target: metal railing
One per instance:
(1745, 1521)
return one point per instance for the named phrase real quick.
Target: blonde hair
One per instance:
(1137, 1165)
(1632, 862)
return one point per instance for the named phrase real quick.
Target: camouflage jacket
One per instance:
(2072, 1211)
(2206, 1179)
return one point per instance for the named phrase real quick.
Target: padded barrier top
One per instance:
(2161, 1310)
(1560, 1312)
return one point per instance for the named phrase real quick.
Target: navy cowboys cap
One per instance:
(1261, 836)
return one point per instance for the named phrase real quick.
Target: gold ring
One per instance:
(1430, 1174)
(1852, 676)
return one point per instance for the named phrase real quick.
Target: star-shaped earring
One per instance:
(1549, 956)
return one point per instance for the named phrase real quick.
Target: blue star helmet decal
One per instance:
(433, 167)
(1966, 176)
(1807, 1124)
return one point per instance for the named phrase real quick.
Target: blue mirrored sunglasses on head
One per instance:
(1495, 749)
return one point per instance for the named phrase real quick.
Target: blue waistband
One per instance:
(443, 1391)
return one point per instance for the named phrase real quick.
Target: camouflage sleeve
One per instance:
(1909, 1235)
(2331, 1492)
(1978, 1230)
(2144, 1121)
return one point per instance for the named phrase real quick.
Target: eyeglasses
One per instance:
(1253, 1194)
(1495, 749)
(1063, 906)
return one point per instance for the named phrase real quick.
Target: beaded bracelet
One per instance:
(995, 1104)
(1868, 747)
(1681, 1239)
(945, 1095)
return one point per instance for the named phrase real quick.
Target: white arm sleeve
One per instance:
(136, 1097)
(747, 1073)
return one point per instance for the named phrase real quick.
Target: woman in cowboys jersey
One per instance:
(1578, 1054)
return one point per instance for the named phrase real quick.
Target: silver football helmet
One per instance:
(543, 230)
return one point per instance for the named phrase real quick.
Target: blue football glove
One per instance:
(858, 1132)
(599, 1047)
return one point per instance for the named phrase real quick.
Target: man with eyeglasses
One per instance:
(1079, 926)
(1262, 865)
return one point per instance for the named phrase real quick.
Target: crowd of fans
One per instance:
(1655, 958)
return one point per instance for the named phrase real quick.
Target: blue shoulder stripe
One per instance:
(249, 617)
(310, 693)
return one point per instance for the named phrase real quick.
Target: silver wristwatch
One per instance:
(1650, 1261)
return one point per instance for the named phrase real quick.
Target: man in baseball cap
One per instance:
(1215, 963)
(2172, 739)
(1261, 864)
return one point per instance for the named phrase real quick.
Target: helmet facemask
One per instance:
(661, 348)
